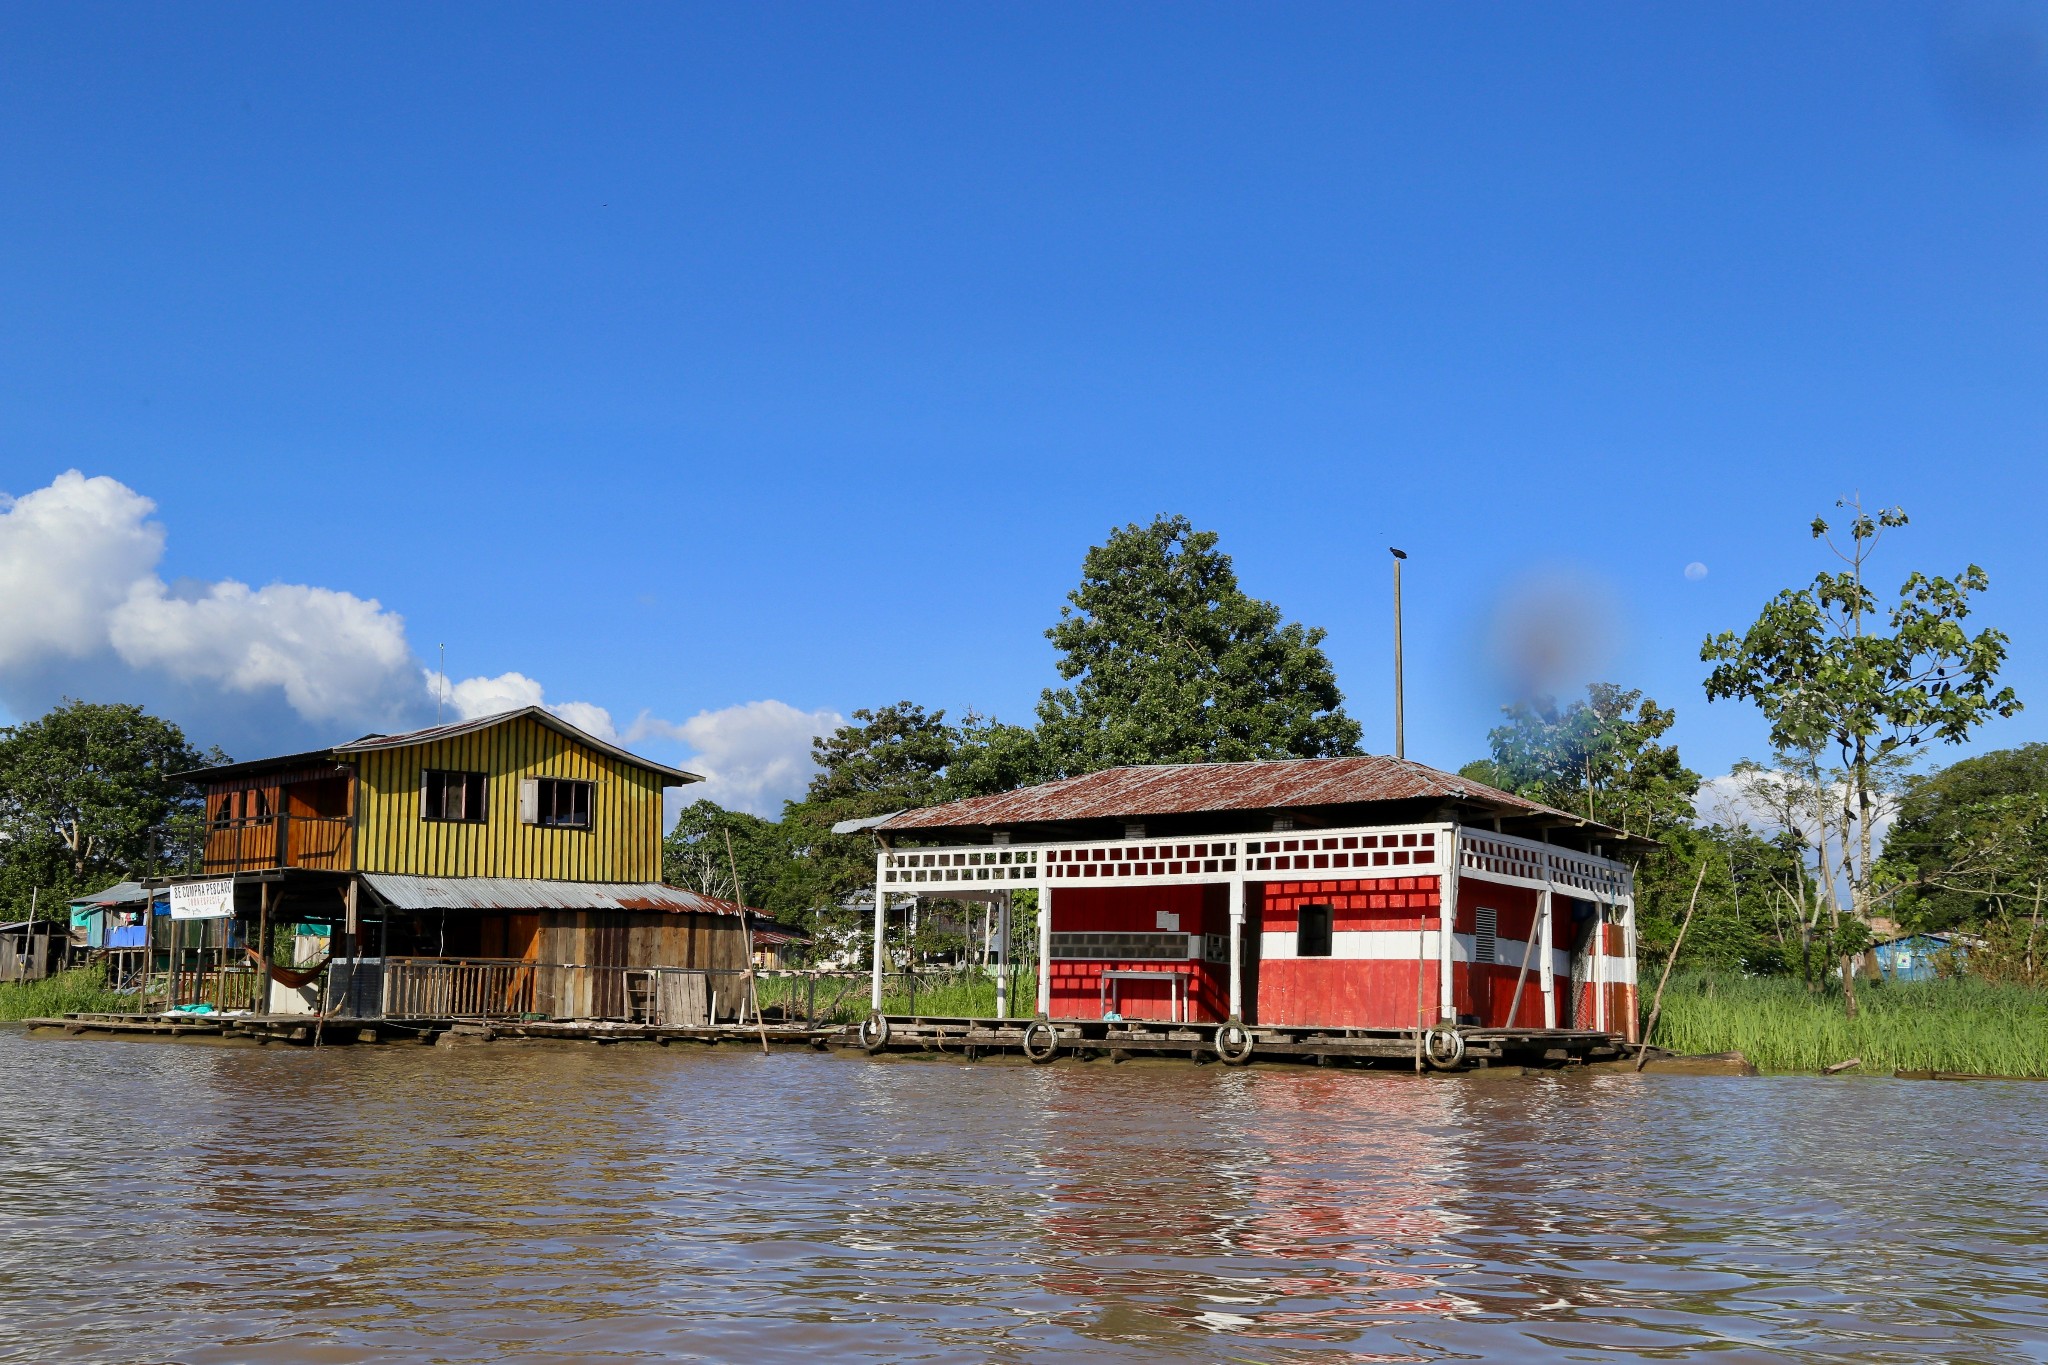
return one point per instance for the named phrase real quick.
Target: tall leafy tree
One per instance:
(886, 759)
(1941, 820)
(86, 798)
(696, 855)
(1600, 757)
(1170, 661)
(1830, 666)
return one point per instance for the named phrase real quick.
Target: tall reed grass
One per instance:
(82, 990)
(1955, 1025)
(967, 992)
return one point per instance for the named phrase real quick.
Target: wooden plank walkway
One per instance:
(307, 1030)
(1118, 1040)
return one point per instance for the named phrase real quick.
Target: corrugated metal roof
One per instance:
(538, 713)
(533, 893)
(1191, 788)
(437, 732)
(120, 893)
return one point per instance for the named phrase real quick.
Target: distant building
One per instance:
(1917, 957)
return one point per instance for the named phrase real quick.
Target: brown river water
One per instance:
(174, 1202)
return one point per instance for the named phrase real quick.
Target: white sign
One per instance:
(203, 900)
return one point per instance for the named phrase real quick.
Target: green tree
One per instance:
(1600, 757)
(694, 855)
(1828, 665)
(1938, 819)
(887, 759)
(86, 798)
(1171, 661)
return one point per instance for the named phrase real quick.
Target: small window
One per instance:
(1485, 930)
(245, 805)
(1312, 932)
(564, 804)
(452, 796)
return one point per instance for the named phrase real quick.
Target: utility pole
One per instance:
(1400, 726)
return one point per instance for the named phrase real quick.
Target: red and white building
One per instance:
(1339, 893)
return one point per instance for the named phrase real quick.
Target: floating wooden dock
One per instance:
(308, 1031)
(1120, 1040)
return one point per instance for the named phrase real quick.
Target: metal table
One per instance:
(1176, 981)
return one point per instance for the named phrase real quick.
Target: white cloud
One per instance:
(473, 697)
(81, 599)
(78, 575)
(334, 656)
(69, 554)
(1758, 799)
(753, 756)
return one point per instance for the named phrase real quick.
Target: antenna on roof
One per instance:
(1400, 736)
(441, 688)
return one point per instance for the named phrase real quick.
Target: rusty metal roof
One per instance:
(1192, 788)
(533, 893)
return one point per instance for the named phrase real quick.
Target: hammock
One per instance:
(291, 978)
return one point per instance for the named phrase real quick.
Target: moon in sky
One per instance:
(1695, 571)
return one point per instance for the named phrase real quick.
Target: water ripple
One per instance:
(555, 1204)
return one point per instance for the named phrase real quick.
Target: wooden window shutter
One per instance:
(423, 793)
(529, 800)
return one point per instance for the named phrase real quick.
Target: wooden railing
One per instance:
(457, 988)
(507, 988)
(231, 988)
(280, 841)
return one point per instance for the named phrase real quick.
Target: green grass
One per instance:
(82, 990)
(1958, 1025)
(963, 994)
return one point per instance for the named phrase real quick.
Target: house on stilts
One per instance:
(501, 868)
(1364, 907)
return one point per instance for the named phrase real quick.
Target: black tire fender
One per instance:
(1234, 1043)
(874, 1031)
(1041, 1041)
(1443, 1047)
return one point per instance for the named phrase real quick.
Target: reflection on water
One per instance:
(201, 1205)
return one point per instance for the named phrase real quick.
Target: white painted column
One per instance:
(881, 927)
(1546, 949)
(1237, 948)
(1599, 972)
(1045, 950)
(1446, 919)
(1003, 957)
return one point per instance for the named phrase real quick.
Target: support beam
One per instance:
(881, 928)
(1003, 957)
(1045, 950)
(1549, 980)
(1446, 919)
(1237, 948)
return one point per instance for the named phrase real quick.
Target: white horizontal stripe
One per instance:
(1400, 945)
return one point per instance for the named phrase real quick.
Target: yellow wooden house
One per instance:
(504, 865)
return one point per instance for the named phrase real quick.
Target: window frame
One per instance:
(545, 810)
(1321, 941)
(473, 783)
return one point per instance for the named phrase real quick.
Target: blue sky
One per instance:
(677, 359)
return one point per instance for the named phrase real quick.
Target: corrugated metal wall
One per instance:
(623, 843)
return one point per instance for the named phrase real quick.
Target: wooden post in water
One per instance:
(1657, 1005)
(747, 934)
(1528, 951)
